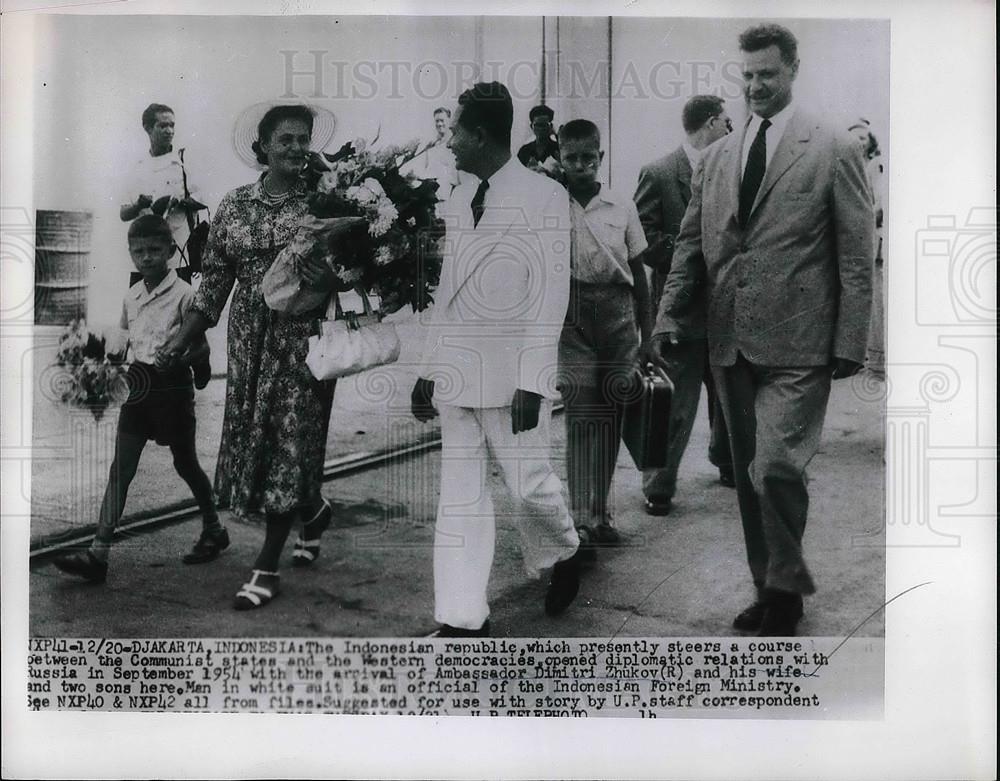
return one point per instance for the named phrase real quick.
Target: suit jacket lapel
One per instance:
(734, 151)
(481, 240)
(790, 148)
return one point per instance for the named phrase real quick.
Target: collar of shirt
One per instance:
(773, 135)
(693, 155)
(501, 177)
(143, 296)
(601, 197)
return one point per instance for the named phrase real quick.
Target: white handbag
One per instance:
(348, 342)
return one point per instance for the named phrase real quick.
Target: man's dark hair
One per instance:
(274, 117)
(698, 110)
(760, 37)
(150, 226)
(487, 105)
(441, 110)
(149, 115)
(541, 111)
(579, 130)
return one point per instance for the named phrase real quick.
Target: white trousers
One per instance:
(465, 532)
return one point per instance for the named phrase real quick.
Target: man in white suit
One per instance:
(489, 365)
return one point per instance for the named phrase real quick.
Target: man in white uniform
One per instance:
(490, 362)
(156, 182)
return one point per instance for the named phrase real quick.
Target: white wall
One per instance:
(659, 63)
(95, 74)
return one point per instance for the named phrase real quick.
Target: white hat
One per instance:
(245, 130)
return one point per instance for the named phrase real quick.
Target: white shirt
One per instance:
(606, 235)
(772, 136)
(153, 317)
(156, 177)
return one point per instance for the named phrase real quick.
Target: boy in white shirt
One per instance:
(599, 342)
(161, 400)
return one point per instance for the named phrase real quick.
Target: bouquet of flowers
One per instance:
(95, 378)
(396, 248)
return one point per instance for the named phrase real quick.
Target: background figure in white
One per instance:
(437, 161)
(489, 366)
(875, 357)
(159, 174)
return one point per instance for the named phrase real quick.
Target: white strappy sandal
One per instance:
(253, 595)
(307, 551)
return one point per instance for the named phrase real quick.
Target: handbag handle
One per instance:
(351, 317)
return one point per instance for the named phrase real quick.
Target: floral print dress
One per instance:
(276, 415)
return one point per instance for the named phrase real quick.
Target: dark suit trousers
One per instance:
(775, 418)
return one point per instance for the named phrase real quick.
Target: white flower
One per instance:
(360, 194)
(412, 222)
(375, 186)
(360, 145)
(379, 226)
(387, 209)
(328, 182)
(383, 256)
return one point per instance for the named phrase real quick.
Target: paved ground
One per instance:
(72, 451)
(683, 575)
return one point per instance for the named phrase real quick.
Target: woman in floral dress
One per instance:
(276, 415)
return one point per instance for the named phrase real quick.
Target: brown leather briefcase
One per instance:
(646, 425)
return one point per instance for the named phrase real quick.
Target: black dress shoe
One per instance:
(447, 630)
(749, 620)
(564, 585)
(83, 565)
(726, 476)
(654, 507)
(782, 613)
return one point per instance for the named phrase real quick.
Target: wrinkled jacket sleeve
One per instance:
(649, 203)
(854, 225)
(683, 297)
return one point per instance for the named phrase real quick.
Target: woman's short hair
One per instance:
(149, 115)
(150, 226)
(488, 105)
(274, 117)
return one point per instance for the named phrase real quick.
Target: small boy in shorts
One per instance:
(160, 406)
(598, 347)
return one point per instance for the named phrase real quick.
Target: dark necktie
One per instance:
(477, 201)
(754, 173)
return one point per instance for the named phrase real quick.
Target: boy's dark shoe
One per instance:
(607, 535)
(202, 374)
(659, 507)
(208, 547)
(588, 544)
(83, 565)
(726, 476)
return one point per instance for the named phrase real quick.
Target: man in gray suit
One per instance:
(780, 234)
(662, 198)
